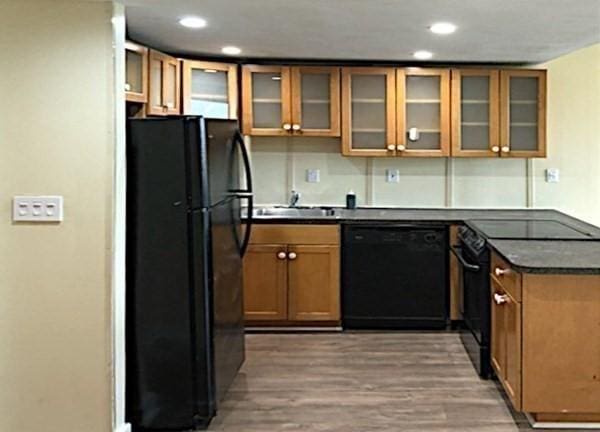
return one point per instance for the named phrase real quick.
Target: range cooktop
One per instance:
(527, 229)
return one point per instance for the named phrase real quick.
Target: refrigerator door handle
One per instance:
(245, 193)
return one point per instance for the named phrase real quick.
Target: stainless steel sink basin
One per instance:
(298, 212)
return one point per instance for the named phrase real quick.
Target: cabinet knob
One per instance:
(287, 126)
(500, 299)
(505, 149)
(400, 147)
(496, 149)
(281, 255)
(296, 127)
(292, 255)
(500, 271)
(391, 147)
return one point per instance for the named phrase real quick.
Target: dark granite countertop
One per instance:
(529, 256)
(550, 256)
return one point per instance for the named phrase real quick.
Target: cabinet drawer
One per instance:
(295, 234)
(509, 279)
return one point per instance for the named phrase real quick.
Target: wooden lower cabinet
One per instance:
(290, 278)
(265, 283)
(313, 282)
(545, 346)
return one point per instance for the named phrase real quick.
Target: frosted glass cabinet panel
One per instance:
(316, 101)
(475, 113)
(282, 100)
(368, 112)
(136, 73)
(523, 113)
(266, 100)
(210, 89)
(423, 111)
(164, 85)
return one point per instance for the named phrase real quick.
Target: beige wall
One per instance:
(573, 146)
(56, 126)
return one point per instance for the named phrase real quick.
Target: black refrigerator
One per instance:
(185, 242)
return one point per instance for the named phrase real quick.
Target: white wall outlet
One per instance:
(313, 175)
(392, 176)
(552, 175)
(37, 208)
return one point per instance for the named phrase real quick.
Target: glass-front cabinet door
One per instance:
(266, 100)
(136, 73)
(523, 113)
(475, 113)
(210, 89)
(423, 112)
(368, 111)
(164, 84)
(316, 101)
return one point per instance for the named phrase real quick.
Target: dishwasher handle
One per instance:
(457, 251)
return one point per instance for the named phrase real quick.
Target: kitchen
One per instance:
(415, 242)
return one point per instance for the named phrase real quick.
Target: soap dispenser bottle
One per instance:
(351, 200)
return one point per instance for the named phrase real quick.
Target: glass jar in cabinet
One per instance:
(210, 89)
(423, 112)
(475, 113)
(523, 113)
(368, 111)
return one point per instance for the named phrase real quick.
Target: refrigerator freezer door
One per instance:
(159, 390)
(223, 159)
(228, 312)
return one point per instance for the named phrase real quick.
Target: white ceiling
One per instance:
(501, 31)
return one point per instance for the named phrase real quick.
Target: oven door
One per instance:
(474, 276)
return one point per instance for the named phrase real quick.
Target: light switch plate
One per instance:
(392, 176)
(313, 175)
(552, 175)
(37, 208)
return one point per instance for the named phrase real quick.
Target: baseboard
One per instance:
(124, 427)
(561, 425)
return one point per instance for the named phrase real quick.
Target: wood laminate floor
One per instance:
(362, 382)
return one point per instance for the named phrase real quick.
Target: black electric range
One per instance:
(474, 258)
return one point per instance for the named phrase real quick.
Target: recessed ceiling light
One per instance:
(443, 28)
(231, 50)
(193, 22)
(422, 55)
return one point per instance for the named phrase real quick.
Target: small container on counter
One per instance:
(351, 200)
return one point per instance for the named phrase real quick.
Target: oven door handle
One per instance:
(457, 251)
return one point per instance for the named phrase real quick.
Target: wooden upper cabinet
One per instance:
(523, 113)
(282, 100)
(314, 283)
(368, 111)
(316, 101)
(136, 73)
(266, 100)
(475, 113)
(423, 112)
(210, 89)
(164, 84)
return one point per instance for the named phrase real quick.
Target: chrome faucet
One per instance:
(295, 197)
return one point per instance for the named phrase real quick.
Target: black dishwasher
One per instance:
(395, 276)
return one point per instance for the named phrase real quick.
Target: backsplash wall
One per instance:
(280, 164)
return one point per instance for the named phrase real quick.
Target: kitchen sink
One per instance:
(299, 212)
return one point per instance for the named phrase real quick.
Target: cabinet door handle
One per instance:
(292, 255)
(400, 147)
(281, 255)
(296, 127)
(496, 149)
(391, 147)
(505, 149)
(500, 299)
(287, 126)
(500, 271)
